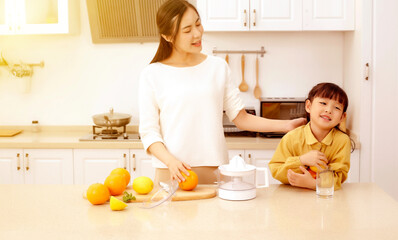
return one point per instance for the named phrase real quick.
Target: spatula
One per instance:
(243, 87)
(257, 90)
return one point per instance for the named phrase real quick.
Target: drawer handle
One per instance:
(245, 18)
(27, 161)
(18, 161)
(124, 161)
(134, 162)
(254, 17)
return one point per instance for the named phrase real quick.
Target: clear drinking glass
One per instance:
(325, 183)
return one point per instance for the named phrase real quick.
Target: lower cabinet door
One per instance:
(94, 165)
(11, 166)
(141, 164)
(48, 166)
(261, 158)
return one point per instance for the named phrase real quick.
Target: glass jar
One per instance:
(35, 126)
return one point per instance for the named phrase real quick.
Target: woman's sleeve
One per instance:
(232, 101)
(340, 163)
(149, 126)
(283, 160)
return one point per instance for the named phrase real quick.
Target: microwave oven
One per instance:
(284, 108)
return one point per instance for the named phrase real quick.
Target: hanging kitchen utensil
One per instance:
(257, 90)
(227, 58)
(243, 87)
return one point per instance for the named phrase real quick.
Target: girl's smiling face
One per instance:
(325, 113)
(189, 36)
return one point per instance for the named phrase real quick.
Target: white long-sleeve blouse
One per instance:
(182, 107)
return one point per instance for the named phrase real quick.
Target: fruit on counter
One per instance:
(97, 193)
(142, 185)
(116, 184)
(116, 204)
(123, 172)
(315, 169)
(190, 182)
(313, 174)
(127, 197)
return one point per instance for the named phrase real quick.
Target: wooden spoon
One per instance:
(257, 90)
(243, 87)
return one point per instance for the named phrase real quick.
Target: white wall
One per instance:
(81, 79)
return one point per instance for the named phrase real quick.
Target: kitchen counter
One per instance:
(357, 211)
(68, 137)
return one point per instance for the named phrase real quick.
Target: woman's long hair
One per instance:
(168, 19)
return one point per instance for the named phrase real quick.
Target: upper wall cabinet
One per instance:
(33, 17)
(276, 15)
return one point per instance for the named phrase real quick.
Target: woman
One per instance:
(182, 97)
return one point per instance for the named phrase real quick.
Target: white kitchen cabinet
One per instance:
(34, 17)
(276, 15)
(36, 166)
(328, 15)
(141, 164)
(94, 165)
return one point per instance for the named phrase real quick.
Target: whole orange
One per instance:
(97, 193)
(190, 182)
(123, 172)
(116, 184)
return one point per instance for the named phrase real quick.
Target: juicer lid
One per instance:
(236, 166)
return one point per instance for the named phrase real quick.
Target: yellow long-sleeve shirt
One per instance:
(336, 146)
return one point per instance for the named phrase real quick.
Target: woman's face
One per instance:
(189, 36)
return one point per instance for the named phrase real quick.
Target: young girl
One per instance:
(319, 144)
(182, 97)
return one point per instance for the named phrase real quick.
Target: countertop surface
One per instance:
(357, 211)
(68, 137)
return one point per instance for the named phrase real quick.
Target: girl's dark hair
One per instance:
(168, 19)
(330, 91)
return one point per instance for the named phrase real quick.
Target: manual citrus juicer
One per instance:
(238, 180)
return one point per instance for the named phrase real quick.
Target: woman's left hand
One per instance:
(297, 122)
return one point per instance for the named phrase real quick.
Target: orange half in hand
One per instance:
(190, 182)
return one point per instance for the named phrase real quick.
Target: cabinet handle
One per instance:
(10, 27)
(27, 161)
(250, 158)
(18, 161)
(254, 17)
(134, 162)
(367, 71)
(124, 160)
(245, 18)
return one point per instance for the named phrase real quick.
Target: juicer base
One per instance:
(237, 195)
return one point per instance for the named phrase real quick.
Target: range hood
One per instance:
(122, 21)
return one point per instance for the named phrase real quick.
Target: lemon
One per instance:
(116, 204)
(142, 185)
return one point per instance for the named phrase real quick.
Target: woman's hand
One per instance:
(314, 158)
(304, 180)
(294, 123)
(176, 167)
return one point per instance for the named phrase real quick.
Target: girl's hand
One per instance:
(314, 158)
(176, 167)
(304, 180)
(297, 122)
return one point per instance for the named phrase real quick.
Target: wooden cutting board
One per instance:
(200, 192)
(9, 132)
